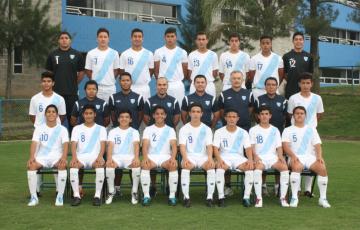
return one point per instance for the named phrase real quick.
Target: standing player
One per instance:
(267, 153)
(123, 152)
(302, 144)
(171, 62)
(139, 62)
(233, 59)
(211, 114)
(195, 140)
(87, 147)
(67, 64)
(49, 148)
(203, 62)
(229, 144)
(263, 65)
(159, 150)
(102, 64)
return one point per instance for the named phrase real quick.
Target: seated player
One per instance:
(195, 140)
(123, 152)
(159, 150)
(229, 144)
(48, 149)
(87, 148)
(267, 153)
(303, 145)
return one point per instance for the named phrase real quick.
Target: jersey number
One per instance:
(294, 138)
(196, 63)
(154, 137)
(82, 138)
(259, 139)
(117, 140)
(259, 66)
(190, 139)
(225, 143)
(44, 137)
(41, 108)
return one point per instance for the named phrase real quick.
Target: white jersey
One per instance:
(312, 104)
(231, 143)
(203, 63)
(230, 62)
(50, 140)
(39, 103)
(137, 63)
(171, 61)
(302, 140)
(195, 139)
(88, 139)
(264, 68)
(102, 64)
(266, 140)
(159, 139)
(123, 140)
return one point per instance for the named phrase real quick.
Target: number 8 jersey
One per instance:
(88, 139)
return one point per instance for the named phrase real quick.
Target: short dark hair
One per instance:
(305, 76)
(298, 33)
(299, 107)
(199, 76)
(91, 82)
(51, 106)
(271, 78)
(170, 30)
(266, 37)
(89, 106)
(200, 33)
(125, 74)
(195, 104)
(102, 29)
(47, 74)
(124, 111)
(64, 32)
(136, 30)
(158, 107)
(234, 35)
(231, 110)
(264, 108)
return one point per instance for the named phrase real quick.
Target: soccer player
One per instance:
(203, 62)
(263, 65)
(159, 150)
(87, 147)
(296, 62)
(267, 153)
(211, 113)
(229, 144)
(102, 65)
(233, 59)
(67, 64)
(49, 148)
(139, 62)
(171, 62)
(302, 144)
(123, 152)
(195, 140)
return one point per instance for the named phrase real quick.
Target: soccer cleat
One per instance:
(187, 203)
(324, 203)
(109, 198)
(134, 198)
(209, 203)
(228, 191)
(146, 201)
(308, 194)
(221, 203)
(246, 202)
(76, 201)
(152, 191)
(118, 193)
(284, 203)
(33, 201)
(294, 202)
(59, 201)
(258, 203)
(172, 201)
(96, 201)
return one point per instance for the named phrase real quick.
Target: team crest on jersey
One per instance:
(132, 101)
(130, 61)
(278, 104)
(72, 56)
(169, 104)
(306, 58)
(97, 106)
(207, 103)
(243, 97)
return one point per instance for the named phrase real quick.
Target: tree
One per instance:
(25, 24)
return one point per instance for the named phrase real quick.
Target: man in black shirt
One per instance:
(67, 64)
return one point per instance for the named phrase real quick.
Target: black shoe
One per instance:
(152, 191)
(209, 203)
(96, 201)
(308, 194)
(187, 203)
(76, 201)
(221, 203)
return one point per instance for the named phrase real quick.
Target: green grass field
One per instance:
(342, 159)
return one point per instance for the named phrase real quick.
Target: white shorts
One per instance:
(47, 161)
(105, 92)
(123, 160)
(159, 159)
(269, 161)
(233, 161)
(307, 160)
(176, 89)
(198, 161)
(210, 88)
(87, 160)
(143, 90)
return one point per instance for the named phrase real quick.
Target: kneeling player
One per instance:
(229, 144)
(303, 145)
(87, 148)
(159, 150)
(123, 152)
(267, 153)
(48, 149)
(195, 140)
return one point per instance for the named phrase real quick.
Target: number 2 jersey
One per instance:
(88, 139)
(159, 138)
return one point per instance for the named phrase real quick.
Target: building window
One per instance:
(18, 60)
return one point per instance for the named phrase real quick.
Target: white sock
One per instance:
(284, 183)
(39, 182)
(56, 178)
(110, 176)
(32, 181)
(173, 183)
(145, 182)
(74, 180)
(135, 173)
(61, 177)
(295, 181)
(185, 182)
(99, 181)
(117, 187)
(248, 181)
(308, 182)
(322, 183)
(210, 179)
(258, 183)
(220, 181)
